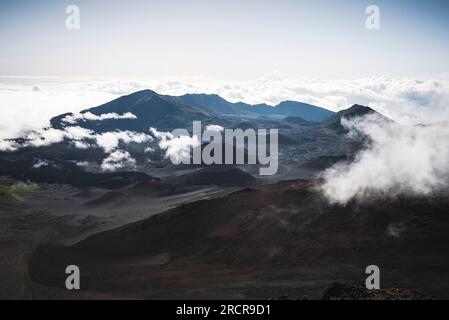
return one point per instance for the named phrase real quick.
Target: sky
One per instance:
(230, 40)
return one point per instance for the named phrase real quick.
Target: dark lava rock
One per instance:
(339, 291)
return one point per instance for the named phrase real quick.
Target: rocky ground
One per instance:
(280, 240)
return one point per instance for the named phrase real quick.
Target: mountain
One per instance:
(216, 105)
(302, 110)
(297, 121)
(224, 176)
(169, 112)
(213, 104)
(356, 110)
(151, 110)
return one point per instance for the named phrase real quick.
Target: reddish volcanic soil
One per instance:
(258, 242)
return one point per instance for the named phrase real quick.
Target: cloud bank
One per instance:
(29, 103)
(397, 160)
(82, 138)
(74, 118)
(117, 160)
(109, 141)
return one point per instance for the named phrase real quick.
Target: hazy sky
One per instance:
(237, 40)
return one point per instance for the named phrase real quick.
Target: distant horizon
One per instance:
(29, 102)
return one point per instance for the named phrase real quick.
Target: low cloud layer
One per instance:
(82, 138)
(29, 103)
(109, 141)
(397, 160)
(75, 118)
(117, 160)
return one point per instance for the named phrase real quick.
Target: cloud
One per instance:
(117, 160)
(214, 127)
(40, 163)
(7, 145)
(76, 135)
(25, 109)
(81, 145)
(84, 164)
(48, 136)
(176, 148)
(45, 137)
(407, 101)
(110, 140)
(397, 160)
(83, 138)
(74, 118)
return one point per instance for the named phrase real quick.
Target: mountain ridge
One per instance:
(168, 112)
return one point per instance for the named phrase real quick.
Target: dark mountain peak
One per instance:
(149, 108)
(138, 96)
(124, 103)
(143, 93)
(356, 110)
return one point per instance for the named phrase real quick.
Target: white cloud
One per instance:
(399, 159)
(84, 164)
(48, 136)
(59, 95)
(78, 133)
(24, 109)
(110, 140)
(7, 145)
(79, 137)
(45, 137)
(176, 148)
(160, 134)
(117, 160)
(74, 118)
(214, 127)
(81, 145)
(40, 163)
